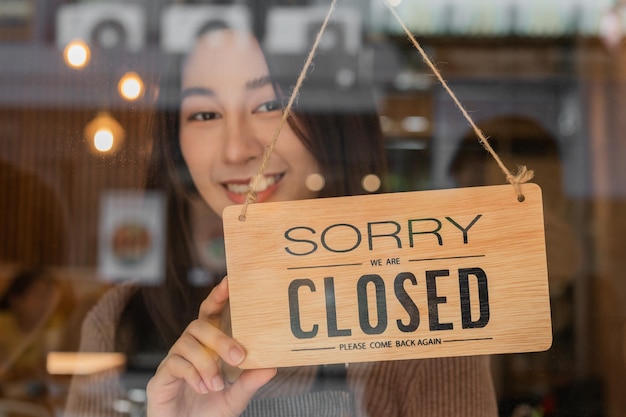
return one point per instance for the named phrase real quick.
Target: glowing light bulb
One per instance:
(104, 134)
(103, 140)
(130, 86)
(76, 54)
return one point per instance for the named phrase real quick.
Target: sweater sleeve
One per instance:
(94, 395)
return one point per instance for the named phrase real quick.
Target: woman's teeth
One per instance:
(263, 184)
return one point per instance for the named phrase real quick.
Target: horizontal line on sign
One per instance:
(308, 349)
(446, 257)
(469, 340)
(323, 266)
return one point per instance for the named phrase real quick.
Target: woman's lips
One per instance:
(237, 191)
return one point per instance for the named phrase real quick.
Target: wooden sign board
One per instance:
(389, 276)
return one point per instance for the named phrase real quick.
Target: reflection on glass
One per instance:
(394, 3)
(83, 363)
(130, 86)
(315, 182)
(103, 140)
(76, 54)
(371, 183)
(104, 134)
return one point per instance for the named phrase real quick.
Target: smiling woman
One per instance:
(230, 107)
(229, 113)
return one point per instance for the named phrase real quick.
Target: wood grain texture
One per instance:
(477, 247)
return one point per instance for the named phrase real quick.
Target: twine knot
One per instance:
(522, 176)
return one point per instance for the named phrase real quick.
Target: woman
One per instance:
(230, 107)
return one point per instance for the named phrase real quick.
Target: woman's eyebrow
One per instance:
(196, 91)
(258, 82)
(203, 91)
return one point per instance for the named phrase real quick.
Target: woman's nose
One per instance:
(242, 142)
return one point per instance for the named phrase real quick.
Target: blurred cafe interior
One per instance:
(79, 80)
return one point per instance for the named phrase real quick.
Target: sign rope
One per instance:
(523, 174)
(252, 195)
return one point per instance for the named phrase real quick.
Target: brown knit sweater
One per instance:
(429, 387)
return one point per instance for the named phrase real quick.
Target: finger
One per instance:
(215, 340)
(172, 370)
(216, 308)
(203, 358)
(213, 305)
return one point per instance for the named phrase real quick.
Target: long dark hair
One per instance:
(345, 140)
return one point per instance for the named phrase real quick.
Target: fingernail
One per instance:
(217, 383)
(236, 355)
(203, 388)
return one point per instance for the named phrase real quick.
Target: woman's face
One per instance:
(229, 113)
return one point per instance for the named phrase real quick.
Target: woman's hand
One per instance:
(189, 381)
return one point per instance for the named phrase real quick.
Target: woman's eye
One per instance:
(204, 116)
(268, 106)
